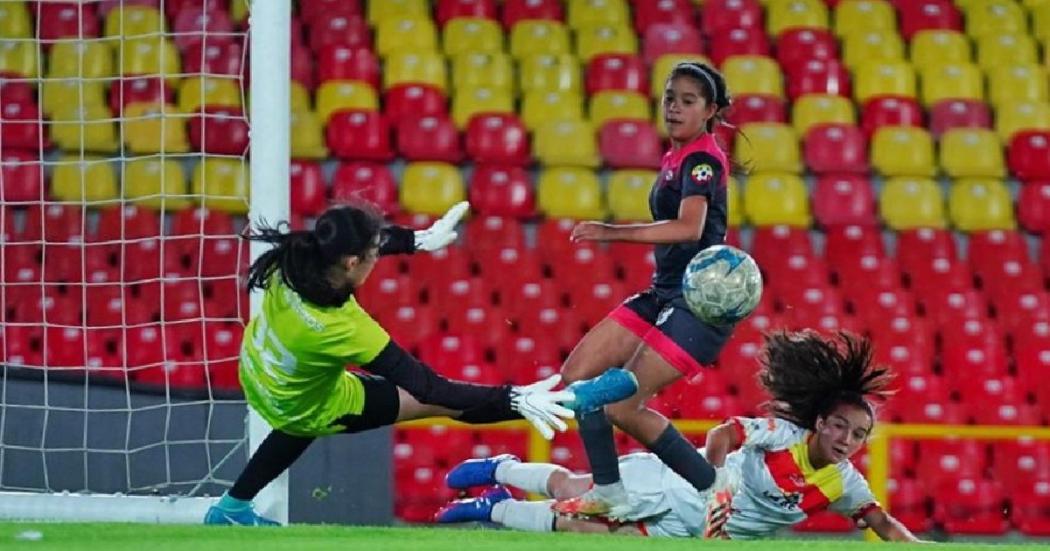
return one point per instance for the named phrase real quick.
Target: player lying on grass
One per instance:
(774, 471)
(310, 327)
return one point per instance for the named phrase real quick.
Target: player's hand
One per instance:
(539, 405)
(441, 233)
(590, 231)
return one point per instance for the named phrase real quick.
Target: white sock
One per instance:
(530, 516)
(612, 493)
(531, 477)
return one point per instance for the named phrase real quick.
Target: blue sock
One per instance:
(227, 503)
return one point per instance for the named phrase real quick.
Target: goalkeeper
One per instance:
(310, 327)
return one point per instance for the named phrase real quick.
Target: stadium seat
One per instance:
(220, 130)
(154, 128)
(949, 114)
(88, 180)
(910, 203)
(359, 135)
(1028, 155)
(971, 506)
(447, 10)
(835, 148)
(1028, 508)
(20, 59)
(992, 248)
(405, 34)
(515, 11)
(338, 95)
(572, 193)
(800, 45)
(629, 194)
(973, 153)
(995, 17)
(566, 143)
(192, 27)
(302, 65)
(818, 76)
(947, 461)
(413, 100)
(468, 103)
(951, 81)
(132, 21)
(980, 204)
(974, 348)
(781, 16)
(307, 136)
(431, 188)
(339, 29)
(616, 72)
(549, 73)
(415, 68)
(464, 35)
(22, 128)
(68, 93)
(734, 204)
(342, 63)
(65, 20)
(597, 39)
(144, 89)
(773, 199)
(497, 138)
(483, 70)
(630, 144)
(1014, 117)
(718, 16)
(754, 75)
(541, 36)
(748, 41)
(890, 111)
(928, 15)
(674, 12)
(814, 109)
(1033, 207)
(872, 47)
(221, 184)
(429, 139)
(21, 179)
(597, 12)
(396, 9)
(502, 191)
(998, 50)
(155, 183)
(883, 78)
(84, 129)
(307, 188)
(843, 199)
(939, 47)
(1017, 83)
(757, 108)
(855, 16)
(539, 108)
(195, 92)
(679, 37)
(903, 151)
(608, 106)
(150, 56)
(1020, 463)
(371, 182)
(770, 147)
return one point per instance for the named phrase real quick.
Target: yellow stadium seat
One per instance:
(19, 58)
(981, 205)
(90, 128)
(467, 103)
(987, 17)
(769, 147)
(734, 205)
(957, 81)
(153, 128)
(150, 56)
(494, 71)
(566, 143)
(853, 16)
(540, 107)
(336, 95)
(306, 134)
(872, 46)
(133, 20)
(972, 152)
(567, 192)
(88, 180)
(909, 203)
(59, 94)
(549, 73)
(610, 105)
(997, 50)
(1041, 21)
(663, 67)
(431, 188)
(594, 40)
(776, 199)
(584, 13)
(535, 36)
(787, 14)
(939, 46)
(903, 151)
(813, 109)
(156, 183)
(415, 68)
(396, 36)
(14, 21)
(1012, 117)
(752, 74)
(464, 35)
(383, 10)
(1017, 83)
(239, 12)
(629, 194)
(884, 78)
(196, 92)
(299, 96)
(222, 184)
(80, 60)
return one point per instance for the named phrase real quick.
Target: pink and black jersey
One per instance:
(699, 168)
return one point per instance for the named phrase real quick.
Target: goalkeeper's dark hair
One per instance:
(809, 375)
(302, 258)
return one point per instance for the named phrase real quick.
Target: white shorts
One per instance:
(663, 502)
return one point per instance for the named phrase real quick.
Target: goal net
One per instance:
(125, 183)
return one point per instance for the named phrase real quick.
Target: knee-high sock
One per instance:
(276, 453)
(531, 516)
(531, 477)
(681, 456)
(597, 434)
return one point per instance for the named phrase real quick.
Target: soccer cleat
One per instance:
(612, 386)
(241, 517)
(476, 472)
(594, 503)
(475, 509)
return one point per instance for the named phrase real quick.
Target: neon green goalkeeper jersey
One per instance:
(294, 357)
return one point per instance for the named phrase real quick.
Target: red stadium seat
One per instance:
(928, 14)
(971, 506)
(339, 28)
(719, 16)
(448, 293)
(413, 100)
(959, 113)
(64, 348)
(757, 108)
(925, 399)
(59, 20)
(308, 190)
(679, 37)
(302, 64)
(219, 130)
(926, 277)
(16, 90)
(1003, 283)
(130, 222)
(342, 62)
(1030, 510)
(519, 10)
(616, 72)
(806, 305)
(846, 244)
(527, 298)
(372, 182)
(22, 126)
(174, 7)
(202, 221)
(1021, 463)
(841, 199)
(973, 348)
(554, 234)
(795, 271)
(430, 138)
(890, 111)
(1023, 310)
(908, 502)
(359, 135)
(410, 324)
(21, 178)
(916, 247)
(502, 191)
(448, 352)
(105, 352)
(24, 345)
(440, 268)
(947, 460)
(497, 138)
(487, 323)
(1033, 208)
(139, 89)
(196, 26)
(567, 451)
(494, 442)
(450, 9)
(561, 326)
(593, 302)
(799, 45)
(817, 76)
(946, 305)
(529, 359)
(780, 242)
(384, 294)
(630, 144)
(739, 41)
(836, 148)
(494, 233)
(671, 12)
(1028, 155)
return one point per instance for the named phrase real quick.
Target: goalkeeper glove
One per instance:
(539, 405)
(441, 233)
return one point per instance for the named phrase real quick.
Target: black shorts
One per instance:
(668, 327)
(382, 404)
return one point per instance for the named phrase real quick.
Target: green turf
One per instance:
(112, 537)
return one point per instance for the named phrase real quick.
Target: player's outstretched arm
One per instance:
(440, 234)
(720, 441)
(889, 528)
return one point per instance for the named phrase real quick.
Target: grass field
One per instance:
(112, 537)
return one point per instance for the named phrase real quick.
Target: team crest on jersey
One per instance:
(668, 175)
(702, 174)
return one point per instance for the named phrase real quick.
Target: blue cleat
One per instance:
(610, 387)
(476, 472)
(241, 517)
(475, 509)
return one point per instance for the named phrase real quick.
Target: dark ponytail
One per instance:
(304, 258)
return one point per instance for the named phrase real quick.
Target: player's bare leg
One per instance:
(606, 345)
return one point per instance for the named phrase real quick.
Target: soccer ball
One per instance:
(722, 285)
